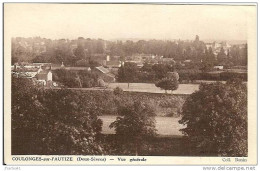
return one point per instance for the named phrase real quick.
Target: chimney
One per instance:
(108, 58)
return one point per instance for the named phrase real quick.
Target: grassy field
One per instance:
(166, 126)
(151, 88)
(184, 89)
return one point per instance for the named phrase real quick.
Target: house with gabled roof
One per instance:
(35, 72)
(26, 71)
(112, 64)
(104, 74)
(44, 75)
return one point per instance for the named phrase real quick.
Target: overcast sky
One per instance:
(57, 21)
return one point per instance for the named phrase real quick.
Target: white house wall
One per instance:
(49, 76)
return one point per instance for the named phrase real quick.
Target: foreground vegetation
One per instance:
(46, 121)
(216, 118)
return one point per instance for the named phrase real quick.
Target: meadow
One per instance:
(166, 126)
(151, 88)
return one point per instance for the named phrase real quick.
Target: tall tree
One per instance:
(209, 60)
(169, 83)
(216, 119)
(53, 122)
(222, 57)
(134, 124)
(80, 53)
(127, 72)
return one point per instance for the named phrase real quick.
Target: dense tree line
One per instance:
(130, 73)
(70, 51)
(46, 121)
(55, 51)
(76, 79)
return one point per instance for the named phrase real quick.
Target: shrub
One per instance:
(118, 91)
(222, 76)
(230, 75)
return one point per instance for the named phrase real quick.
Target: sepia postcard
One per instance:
(130, 84)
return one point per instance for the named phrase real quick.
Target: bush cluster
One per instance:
(75, 79)
(223, 76)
